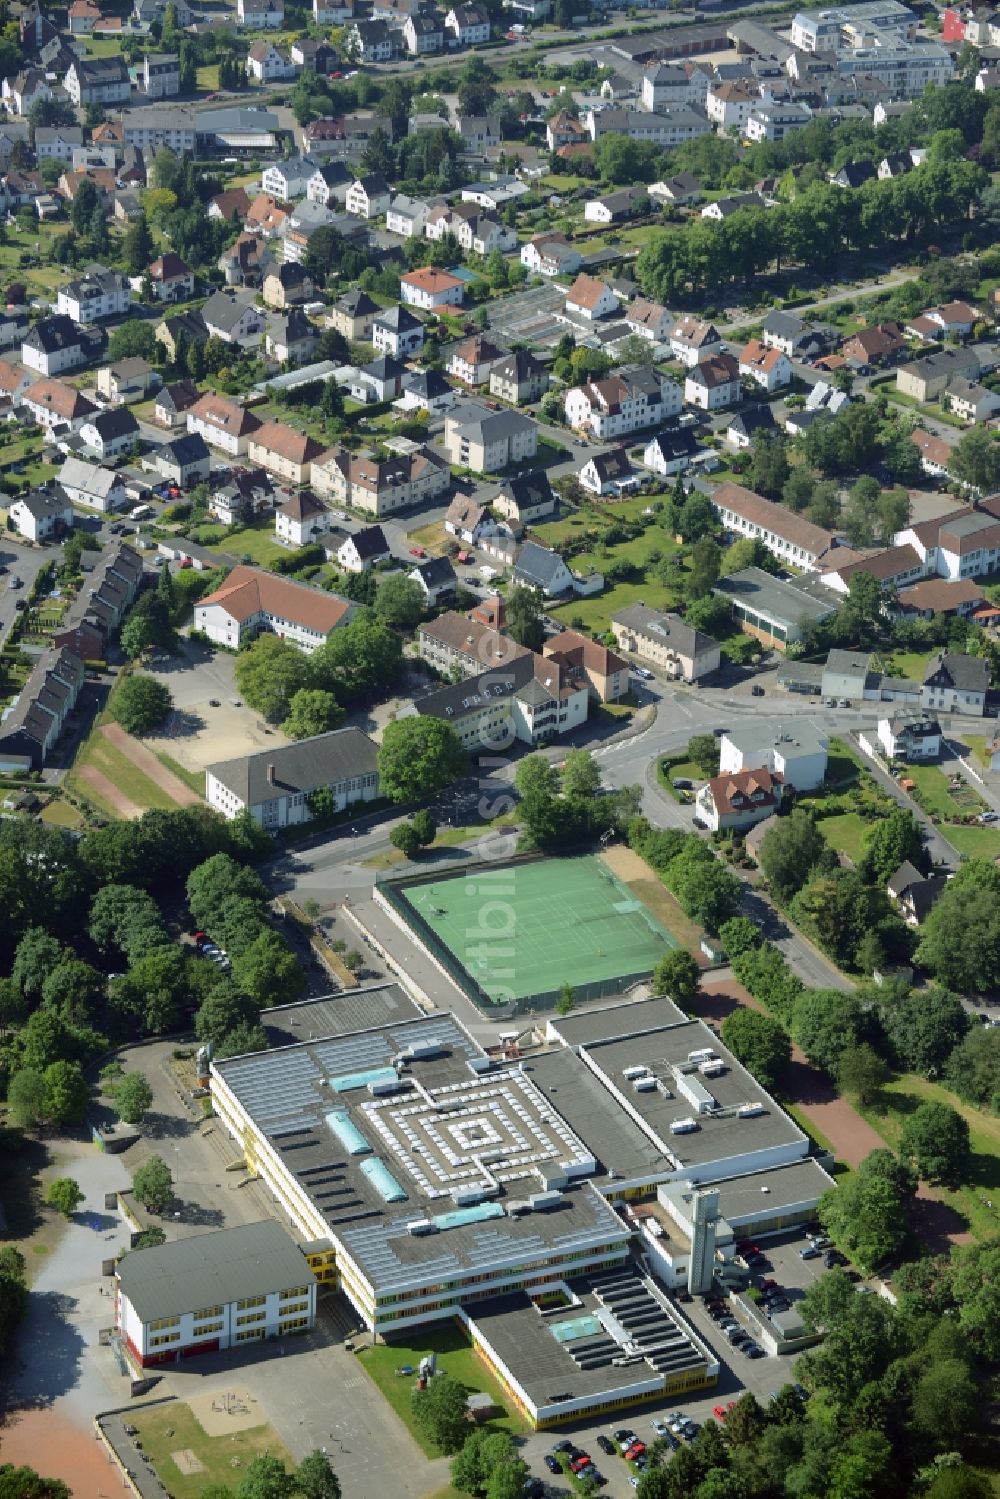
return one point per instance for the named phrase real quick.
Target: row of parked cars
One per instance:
(735, 1335)
(212, 950)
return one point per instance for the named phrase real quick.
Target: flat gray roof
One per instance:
(372, 1164)
(616, 1141)
(582, 1026)
(212, 1269)
(337, 1014)
(743, 1197)
(804, 736)
(721, 1135)
(780, 601)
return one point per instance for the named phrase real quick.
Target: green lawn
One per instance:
(97, 752)
(974, 842)
(936, 797)
(193, 778)
(900, 1098)
(208, 77)
(173, 1427)
(977, 744)
(260, 544)
(60, 814)
(911, 665)
(595, 613)
(846, 833)
(455, 1356)
(842, 763)
(667, 769)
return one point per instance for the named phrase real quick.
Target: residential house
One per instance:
(789, 537)
(426, 390)
(363, 550)
(926, 379)
(91, 486)
(649, 320)
(57, 142)
(939, 596)
(970, 401)
(665, 640)
(591, 299)
(880, 345)
(251, 600)
(622, 403)
(54, 405)
(472, 360)
(436, 578)
(607, 675)
(406, 216)
(97, 611)
(396, 331)
(97, 294)
(354, 315)
(955, 683)
(609, 473)
(431, 289)
(223, 423)
(180, 327)
(161, 75)
(955, 319)
(798, 754)
(329, 183)
(287, 285)
(379, 380)
(234, 317)
(276, 786)
(736, 800)
(98, 80)
(53, 345)
(519, 378)
(713, 383)
(283, 451)
(854, 174)
(171, 279)
(110, 432)
(681, 189)
(777, 120)
(301, 519)
(30, 728)
(157, 127)
(484, 441)
(184, 461)
(618, 207)
(792, 335)
(470, 521)
(267, 63)
(543, 569)
(260, 15)
(459, 641)
(290, 337)
(550, 255)
(694, 340)
(671, 452)
(369, 196)
(531, 699)
(41, 515)
(380, 486)
(914, 894)
(525, 499)
(729, 104)
(909, 735)
(744, 425)
(768, 368)
(423, 33)
(369, 41)
(466, 26)
(25, 89)
(935, 453)
(126, 380)
(174, 401)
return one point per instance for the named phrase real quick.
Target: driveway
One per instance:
(22, 562)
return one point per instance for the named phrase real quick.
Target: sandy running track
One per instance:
(56, 1448)
(150, 766)
(108, 792)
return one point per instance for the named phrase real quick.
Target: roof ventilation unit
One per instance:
(631, 1073)
(683, 1126)
(417, 1227)
(750, 1110)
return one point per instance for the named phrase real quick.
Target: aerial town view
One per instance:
(499, 749)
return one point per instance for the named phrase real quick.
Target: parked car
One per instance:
(552, 1463)
(607, 1445)
(810, 1252)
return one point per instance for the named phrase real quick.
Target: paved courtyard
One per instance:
(198, 733)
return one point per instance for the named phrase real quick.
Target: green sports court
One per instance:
(520, 931)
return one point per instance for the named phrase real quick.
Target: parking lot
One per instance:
(20, 562)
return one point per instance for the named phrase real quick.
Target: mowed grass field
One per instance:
(166, 1429)
(846, 833)
(455, 1356)
(900, 1098)
(124, 776)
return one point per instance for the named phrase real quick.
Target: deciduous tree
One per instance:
(312, 711)
(678, 975)
(64, 1195)
(790, 852)
(140, 704)
(417, 757)
(133, 1097)
(153, 1184)
(269, 673)
(760, 1043)
(935, 1140)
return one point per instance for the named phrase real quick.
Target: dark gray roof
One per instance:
(518, 365)
(323, 760)
(529, 489)
(53, 334)
(224, 310)
(370, 542)
(537, 563)
(436, 572)
(356, 303)
(400, 319)
(666, 627)
(190, 448)
(965, 673)
(212, 1269)
(116, 421)
(338, 1014)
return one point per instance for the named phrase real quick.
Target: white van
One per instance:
(141, 512)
